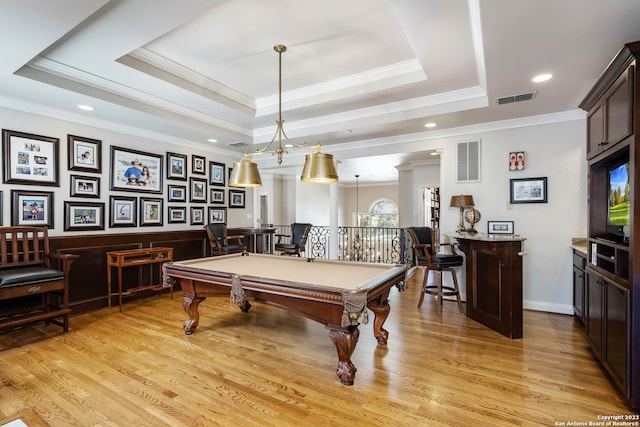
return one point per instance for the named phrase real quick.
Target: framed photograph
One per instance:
(198, 191)
(500, 227)
(82, 216)
(198, 165)
(123, 211)
(236, 198)
(30, 159)
(217, 215)
(176, 166)
(133, 170)
(528, 190)
(216, 173)
(84, 186)
(177, 214)
(177, 193)
(85, 154)
(216, 196)
(229, 172)
(516, 161)
(31, 208)
(197, 215)
(150, 211)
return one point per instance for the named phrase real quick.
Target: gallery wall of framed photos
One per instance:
(80, 179)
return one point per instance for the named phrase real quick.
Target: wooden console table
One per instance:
(494, 280)
(131, 258)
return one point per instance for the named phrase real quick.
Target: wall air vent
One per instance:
(238, 144)
(515, 98)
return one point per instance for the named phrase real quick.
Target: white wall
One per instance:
(51, 127)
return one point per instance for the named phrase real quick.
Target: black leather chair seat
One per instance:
(286, 246)
(28, 275)
(233, 249)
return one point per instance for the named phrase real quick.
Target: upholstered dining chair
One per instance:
(296, 240)
(426, 249)
(219, 240)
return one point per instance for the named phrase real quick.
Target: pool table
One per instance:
(334, 293)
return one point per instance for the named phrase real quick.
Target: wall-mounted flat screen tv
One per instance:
(618, 214)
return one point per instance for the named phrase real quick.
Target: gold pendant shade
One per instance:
(245, 174)
(319, 168)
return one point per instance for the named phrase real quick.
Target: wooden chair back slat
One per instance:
(22, 246)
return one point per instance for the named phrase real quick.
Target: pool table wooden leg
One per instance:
(345, 340)
(381, 313)
(190, 304)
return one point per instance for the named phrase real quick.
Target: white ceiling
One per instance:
(359, 76)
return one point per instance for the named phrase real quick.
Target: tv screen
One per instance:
(618, 206)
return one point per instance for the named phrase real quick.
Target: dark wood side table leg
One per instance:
(190, 304)
(381, 313)
(345, 340)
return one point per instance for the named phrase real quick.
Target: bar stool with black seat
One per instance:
(427, 254)
(219, 240)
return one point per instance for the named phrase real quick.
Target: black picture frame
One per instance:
(151, 210)
(84, 154)
(197, 190)
(499, 227)
(83, 216)
(176, 193)
(528, 190)
(236, 199)
(197, 215)
(217, 174)
(216, 196)
(217, 215)
(32, 208)
(176, 214)
(30, 159)
(125, 162)
(84, 186)
(198, 165)
(123, 211)
(176, 166)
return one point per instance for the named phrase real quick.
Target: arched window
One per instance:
(383, 214)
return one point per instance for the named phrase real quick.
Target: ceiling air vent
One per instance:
(238, 144)
(515, 98)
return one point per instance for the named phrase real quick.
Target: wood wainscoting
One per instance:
(88, 278)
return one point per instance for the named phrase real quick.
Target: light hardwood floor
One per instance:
(269, 367)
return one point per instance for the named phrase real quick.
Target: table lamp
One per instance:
(462, 201)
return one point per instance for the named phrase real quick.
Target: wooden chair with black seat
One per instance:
(426, 249)
(297, 239)
(219, 240)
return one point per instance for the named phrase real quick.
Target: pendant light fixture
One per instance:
(318, 167)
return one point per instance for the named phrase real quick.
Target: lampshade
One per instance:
(319, 168)
(461, 201)
(245, 174)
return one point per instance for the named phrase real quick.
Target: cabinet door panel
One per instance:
(595, 300)
(618, 110)
(595, 130)
(616, 334)
(578, 293)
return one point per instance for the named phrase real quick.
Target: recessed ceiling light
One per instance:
(85, 107)
(430, 125)
(212, 140)
(541, 78)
